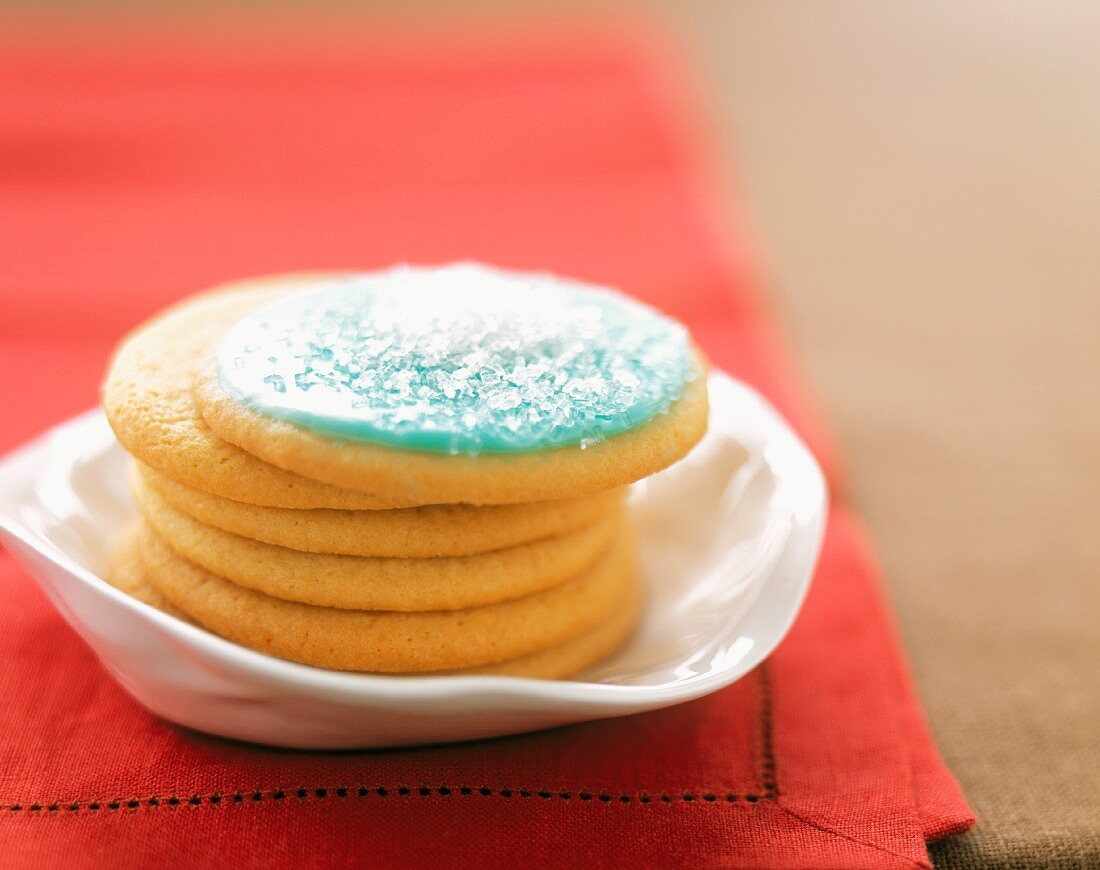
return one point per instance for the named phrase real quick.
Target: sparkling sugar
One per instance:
(458, 359)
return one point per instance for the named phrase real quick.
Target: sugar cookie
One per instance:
(576, 655)
(147, 396)
(438, 386)
(394, 642)
(555, 663)
(365, 583)
(125, 573)
(423, 532)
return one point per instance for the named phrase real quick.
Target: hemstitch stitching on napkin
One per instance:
(769, 785)
(303, 794)
(766, 770)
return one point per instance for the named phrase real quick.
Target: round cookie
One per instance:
(395, 642)
(434, 478)
(147, 396)
(365, 583)
(441, 385)
(126, 574)
(573, 656)
(422, 532)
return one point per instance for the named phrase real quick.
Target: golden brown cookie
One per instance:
(365, 583)
(555, 663)
(128, 574)
(410, 533)
(147, 396)
(436, 478)
(573, 656)
(125, 573)
(395, 642)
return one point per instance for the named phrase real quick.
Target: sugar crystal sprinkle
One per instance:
(457, 359)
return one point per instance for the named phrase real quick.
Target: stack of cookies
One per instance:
(413, 471)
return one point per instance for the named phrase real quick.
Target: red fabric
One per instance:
(136, 172)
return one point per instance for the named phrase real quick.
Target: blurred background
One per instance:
(921, 185)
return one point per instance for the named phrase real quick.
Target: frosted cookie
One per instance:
(423, 532)
(147, 396)
(394, 642)
(365, 583)
(457, 384)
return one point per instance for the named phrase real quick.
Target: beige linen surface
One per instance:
(925, 182)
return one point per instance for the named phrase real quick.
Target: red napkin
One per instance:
(137, 171)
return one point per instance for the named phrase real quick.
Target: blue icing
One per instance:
(457, 359)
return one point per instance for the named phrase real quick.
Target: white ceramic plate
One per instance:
(729, 539)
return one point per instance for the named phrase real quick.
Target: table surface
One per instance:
(923, 182)
(923, 185)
